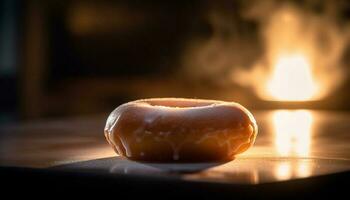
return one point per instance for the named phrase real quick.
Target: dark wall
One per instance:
(74, 57)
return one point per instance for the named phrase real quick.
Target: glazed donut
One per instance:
(180, 130)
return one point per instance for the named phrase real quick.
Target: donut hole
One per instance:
(178, 103)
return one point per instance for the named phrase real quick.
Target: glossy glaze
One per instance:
(180, 130)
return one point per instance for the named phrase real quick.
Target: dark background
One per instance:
(72, 57)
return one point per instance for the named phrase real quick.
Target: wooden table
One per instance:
(291, 145)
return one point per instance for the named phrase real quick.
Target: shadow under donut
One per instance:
(118, 165)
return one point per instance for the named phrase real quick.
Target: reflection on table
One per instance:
(291, 144)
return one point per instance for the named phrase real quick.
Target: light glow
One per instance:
(293, 131)
(292, 79)
(283, 171)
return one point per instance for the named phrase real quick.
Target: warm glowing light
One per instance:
(292, 79)
(283, 171)
(293, 135)
(292, 168)
(298, 64)
(304, 169)
(293, 130)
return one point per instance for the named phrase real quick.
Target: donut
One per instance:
(180, 130)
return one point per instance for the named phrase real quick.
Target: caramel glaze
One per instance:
(180, 130)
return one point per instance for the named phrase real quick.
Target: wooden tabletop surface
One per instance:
(291, 144)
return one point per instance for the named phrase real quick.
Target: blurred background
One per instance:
(64, 58)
